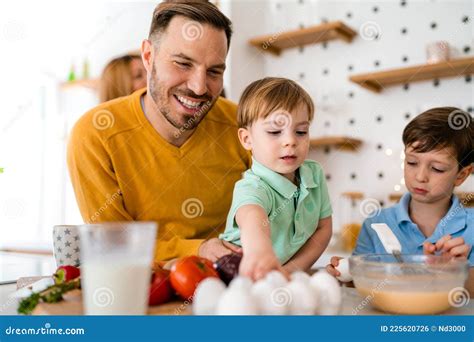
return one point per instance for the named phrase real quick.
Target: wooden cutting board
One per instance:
(72, 305)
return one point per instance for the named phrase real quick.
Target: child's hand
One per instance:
(448, 246)
(331, 268)
(256, 265)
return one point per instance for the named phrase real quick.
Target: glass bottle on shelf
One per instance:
(85, 69)
(72, 74)
(351, 219)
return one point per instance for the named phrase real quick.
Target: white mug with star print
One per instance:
(66, 245)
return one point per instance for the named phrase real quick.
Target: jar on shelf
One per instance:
(437, 52)
(351, 219)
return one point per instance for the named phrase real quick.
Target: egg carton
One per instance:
(319, 294)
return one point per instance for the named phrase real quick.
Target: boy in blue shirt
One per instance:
(429, 219)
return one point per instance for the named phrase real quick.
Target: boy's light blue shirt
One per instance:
(293, 211)
(458, 222)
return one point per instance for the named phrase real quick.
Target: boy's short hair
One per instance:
(265, 96)
(442, 127)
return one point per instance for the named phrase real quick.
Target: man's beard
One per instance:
(159, 96)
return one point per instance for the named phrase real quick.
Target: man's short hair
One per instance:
(268, 95)
(442, 127)
(202, 12)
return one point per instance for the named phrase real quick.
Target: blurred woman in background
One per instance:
(121, 77)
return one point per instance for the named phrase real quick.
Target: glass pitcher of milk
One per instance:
(116, 267)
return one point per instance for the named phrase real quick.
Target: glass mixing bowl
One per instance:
(421, 284)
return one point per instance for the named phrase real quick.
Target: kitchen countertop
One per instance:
(352, 302)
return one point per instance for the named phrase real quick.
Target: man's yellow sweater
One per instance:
(123, 170)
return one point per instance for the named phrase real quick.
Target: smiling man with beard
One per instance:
(169, 152)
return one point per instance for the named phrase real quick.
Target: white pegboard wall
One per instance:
(403, 29)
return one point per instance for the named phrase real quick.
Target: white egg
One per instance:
(270, 300)
(328, 291)
(343, 267)
(241, 282)
(300, 276)
(276, 278)
(207, 296)
(302, 298)
(236, 301)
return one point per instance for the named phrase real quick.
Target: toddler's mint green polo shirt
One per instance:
(293, 212)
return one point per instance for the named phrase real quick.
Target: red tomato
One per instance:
(188, 272)
(160, 288)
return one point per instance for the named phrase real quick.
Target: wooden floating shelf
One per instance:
(377, 81)
(275, 43)
(342, 143)
(395, 197)
(353, 195)
(89, 83)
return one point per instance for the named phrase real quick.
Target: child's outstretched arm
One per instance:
(312, 249)
(258, 255)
